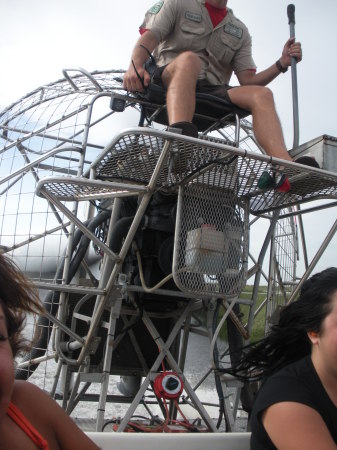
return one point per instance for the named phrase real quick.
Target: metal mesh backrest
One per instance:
(211, 242)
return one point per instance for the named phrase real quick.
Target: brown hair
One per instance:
(18, 297)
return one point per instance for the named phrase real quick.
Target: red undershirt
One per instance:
(216, 15)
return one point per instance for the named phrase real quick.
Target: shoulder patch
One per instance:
(156, 7)
(193, 16)
(233, 30)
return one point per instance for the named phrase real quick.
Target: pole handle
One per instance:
(291, 13)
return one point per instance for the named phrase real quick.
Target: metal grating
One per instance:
(78, 189)
(306, 185)
(132, 157)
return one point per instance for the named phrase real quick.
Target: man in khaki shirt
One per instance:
(197, 41)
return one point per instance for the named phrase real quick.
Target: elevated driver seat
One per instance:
(211, 112)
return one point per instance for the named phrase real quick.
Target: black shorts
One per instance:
(218, 90)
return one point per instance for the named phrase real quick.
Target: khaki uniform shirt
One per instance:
(181, 25)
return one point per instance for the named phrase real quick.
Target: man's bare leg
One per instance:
(180, 78)
(267, 128)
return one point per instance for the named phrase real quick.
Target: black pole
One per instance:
(291, 17)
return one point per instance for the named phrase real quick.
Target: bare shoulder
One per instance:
(295, 426)
(49, 418)
(38, 407)
(34, 401)
(24, 391)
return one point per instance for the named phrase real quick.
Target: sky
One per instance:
(38, 39)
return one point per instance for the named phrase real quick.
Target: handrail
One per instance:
(38, 160)
(84, 72)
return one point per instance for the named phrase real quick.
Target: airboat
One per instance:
(138, 238)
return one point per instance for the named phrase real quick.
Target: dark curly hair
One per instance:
(288, 340)
(18, 297)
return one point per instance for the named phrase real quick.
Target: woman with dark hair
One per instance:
(29, 418)
(296, 406)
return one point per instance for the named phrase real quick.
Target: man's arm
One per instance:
(291, 49)
(139, 56)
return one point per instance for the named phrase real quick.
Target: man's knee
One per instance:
(262, 95)
(187, 62)
(251, 97)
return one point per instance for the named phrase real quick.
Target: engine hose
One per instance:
(218, 385)
(51, 301)
(119, 232)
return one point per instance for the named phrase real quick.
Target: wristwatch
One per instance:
(280, 67)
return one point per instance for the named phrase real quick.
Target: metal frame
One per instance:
(169, 169)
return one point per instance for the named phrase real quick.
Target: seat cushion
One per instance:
(209, 108)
